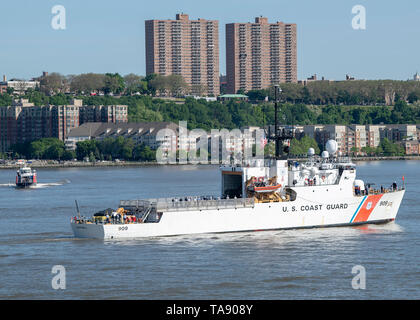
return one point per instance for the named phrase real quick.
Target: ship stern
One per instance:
(88, 230)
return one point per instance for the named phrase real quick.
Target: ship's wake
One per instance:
(25, 238)
(38, 185)
(7, 185)
(50, 184)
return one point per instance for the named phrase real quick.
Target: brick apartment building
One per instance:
(260, 54)
(189, 48)
(23, 121)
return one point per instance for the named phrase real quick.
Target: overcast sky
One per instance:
(108, 36)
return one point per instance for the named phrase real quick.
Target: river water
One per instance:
(35, 235)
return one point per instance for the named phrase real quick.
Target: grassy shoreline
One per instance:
(142, 164)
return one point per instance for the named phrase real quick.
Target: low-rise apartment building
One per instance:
(352, 139)
(23, 121)
(412, 147)
(140, 132)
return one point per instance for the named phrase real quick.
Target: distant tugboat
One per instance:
(25, 177)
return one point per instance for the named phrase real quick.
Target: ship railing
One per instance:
(343, 159)
(173, 204)
(373, 191)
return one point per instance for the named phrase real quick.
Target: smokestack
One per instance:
(4, 78)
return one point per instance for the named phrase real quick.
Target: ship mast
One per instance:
(277, 89)
(279, 137)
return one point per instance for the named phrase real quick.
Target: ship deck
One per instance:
(187, 204)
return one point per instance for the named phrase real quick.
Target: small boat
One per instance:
(25, 177)
(263, 189)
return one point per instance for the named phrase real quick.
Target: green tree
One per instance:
(301, 147)
(87, 83)
(354, 150)
(86, 148)
(391, 149)
(176, 85)
(113, 83)
(143, 153)
(134, 83)
(69, 155)
(54, 152)
(53, 83)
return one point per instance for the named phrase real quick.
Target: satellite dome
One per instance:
(325, 154)
(311, 151)
(331, 146)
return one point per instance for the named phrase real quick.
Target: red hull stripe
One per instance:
(367, 208)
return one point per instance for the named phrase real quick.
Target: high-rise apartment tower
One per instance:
(189, 48)
(260, 54)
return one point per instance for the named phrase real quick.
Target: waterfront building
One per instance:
(373, 135)
(140, 132)
(24, 122)
(399, 132)
(411, 147)
(353, 139)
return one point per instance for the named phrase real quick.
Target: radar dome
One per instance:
(311, 151)
(325, 154)
(331, 146)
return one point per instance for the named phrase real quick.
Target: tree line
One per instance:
(108, 149)
(44, 149)
(385, 148)
(114, 148)
(354, 92)
(236, 114)
(351, 92)
(113, 84)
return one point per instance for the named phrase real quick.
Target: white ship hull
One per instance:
(313, 208)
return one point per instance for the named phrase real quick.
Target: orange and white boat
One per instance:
(264, 189)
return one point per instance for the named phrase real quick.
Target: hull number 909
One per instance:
(385, 204)
(123, 228)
